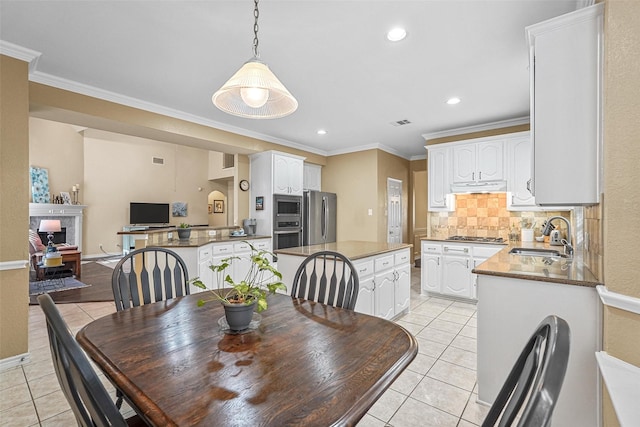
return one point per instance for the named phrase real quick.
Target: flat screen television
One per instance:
(148, 213)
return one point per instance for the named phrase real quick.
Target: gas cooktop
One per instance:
(476, 239)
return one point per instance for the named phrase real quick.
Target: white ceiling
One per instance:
(170, 56)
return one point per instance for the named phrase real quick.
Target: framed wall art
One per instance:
(218, 206)
(39, 185)
(179, 209)
(260, 203)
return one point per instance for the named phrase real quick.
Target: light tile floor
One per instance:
(437, 389)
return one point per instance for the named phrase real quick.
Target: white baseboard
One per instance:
(13, 361)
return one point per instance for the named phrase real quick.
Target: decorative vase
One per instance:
(239, 315)
(184, 233)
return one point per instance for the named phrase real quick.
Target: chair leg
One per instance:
(119, 399)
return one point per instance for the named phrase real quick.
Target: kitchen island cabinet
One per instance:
(514, 294)
(384, 273)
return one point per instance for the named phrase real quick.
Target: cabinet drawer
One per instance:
(402, 257)
(204, 253)
(457, 250)
(486, 251)
(431, 248)
(384, 263)
(222, 249)
(241, 247)
(262, 245)
(364, 268)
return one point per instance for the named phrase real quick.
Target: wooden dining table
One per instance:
(303, 363)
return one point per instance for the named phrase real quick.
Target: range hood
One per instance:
(479, 187)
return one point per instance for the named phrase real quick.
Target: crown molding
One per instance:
(359, 148)
(21, 53)
(477, 128)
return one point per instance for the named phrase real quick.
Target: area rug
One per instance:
(48, 286)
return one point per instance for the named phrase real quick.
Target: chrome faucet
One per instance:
(568, 249)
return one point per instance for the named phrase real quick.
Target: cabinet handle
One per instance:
(529, 185)
(438, 260)
(448, 249)
(473, 176)
(467, 263)
(480, 175)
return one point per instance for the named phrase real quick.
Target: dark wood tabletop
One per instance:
(306, 364)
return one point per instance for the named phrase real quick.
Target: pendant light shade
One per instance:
(255, 92)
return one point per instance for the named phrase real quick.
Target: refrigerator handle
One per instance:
(323, 220)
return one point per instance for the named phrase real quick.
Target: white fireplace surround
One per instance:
(70, 216)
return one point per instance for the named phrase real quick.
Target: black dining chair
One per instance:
(89, 400)
(329, 278)
(149, 275)
(532, 388)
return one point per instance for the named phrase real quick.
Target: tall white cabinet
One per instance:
(273, 172)
(566, 107)
(439, 182)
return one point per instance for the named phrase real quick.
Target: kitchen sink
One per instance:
(536, 252)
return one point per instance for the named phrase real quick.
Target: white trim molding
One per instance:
(614, 299)
(14, 265)
(13, 361)
(479, 128)
(623, 382)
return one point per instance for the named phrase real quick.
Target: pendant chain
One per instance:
(256, 14)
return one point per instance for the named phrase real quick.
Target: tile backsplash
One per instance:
(485, 215)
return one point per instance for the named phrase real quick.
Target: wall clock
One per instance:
(244, 185)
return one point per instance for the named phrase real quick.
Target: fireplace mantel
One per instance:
(69, 215)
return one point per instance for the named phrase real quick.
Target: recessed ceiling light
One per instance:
(322, 132)
(453, 101)
(396, 34)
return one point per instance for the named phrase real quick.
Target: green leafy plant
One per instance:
(261, 280)
(184, 225)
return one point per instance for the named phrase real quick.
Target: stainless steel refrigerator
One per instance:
(318, 217)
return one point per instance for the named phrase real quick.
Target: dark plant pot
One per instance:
(184, 233)
(238, 315)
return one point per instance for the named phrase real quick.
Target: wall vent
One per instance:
(228, 161)
(157, 160)
(400, 122)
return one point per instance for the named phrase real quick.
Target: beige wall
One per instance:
(621, 159)
(60, 149)
(14, 207)
(418, 205)
(354, 178)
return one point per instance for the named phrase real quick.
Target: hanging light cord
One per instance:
(256, 14)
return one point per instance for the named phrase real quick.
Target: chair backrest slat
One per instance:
(149, 275)
(533, 385)
(327, 277)
(89, 400)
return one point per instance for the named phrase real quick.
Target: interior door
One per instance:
(394, 210)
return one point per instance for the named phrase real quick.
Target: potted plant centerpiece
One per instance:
(240, 295)
(184, 231)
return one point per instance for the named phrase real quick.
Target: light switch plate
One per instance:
(370, 212)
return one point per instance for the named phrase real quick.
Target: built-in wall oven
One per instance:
(287, 221)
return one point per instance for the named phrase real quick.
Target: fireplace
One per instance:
(70, 217)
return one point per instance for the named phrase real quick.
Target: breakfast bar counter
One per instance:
(352, 249)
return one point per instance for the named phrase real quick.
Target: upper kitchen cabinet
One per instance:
(519, 160)
(288, 172)
(312, 177)
(566, 107)
(439, 179)
(478, 162)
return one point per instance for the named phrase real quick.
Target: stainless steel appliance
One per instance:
(287, 221)
(249, 226)
(476, 239)
(318, 217)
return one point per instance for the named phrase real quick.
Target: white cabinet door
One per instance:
(366, 297)
(403, 288)
(464, 163)
(478, 162)
(490, 163)
(456, 277)
(431, 273)
(312, 177)
(288, 175)
(519, 161)
(385, 294)
(566, 114)
(439, 180)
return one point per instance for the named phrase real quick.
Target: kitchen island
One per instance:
(515, 292)
(384, 273)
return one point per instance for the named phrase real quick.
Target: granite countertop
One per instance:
(570, 271)
(351, 249)
(174, 228)
(429, 239)
(196, 242)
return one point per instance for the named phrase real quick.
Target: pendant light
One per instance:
(254, 92)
